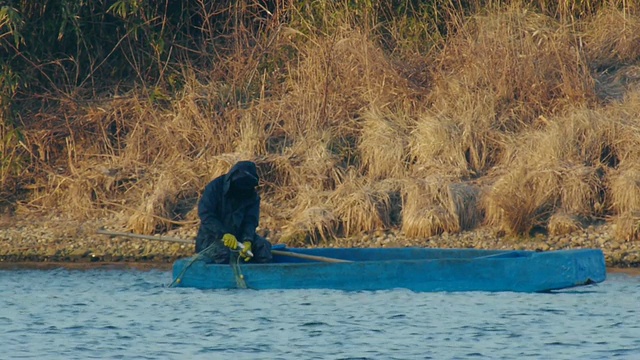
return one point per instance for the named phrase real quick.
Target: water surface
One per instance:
(130, 314)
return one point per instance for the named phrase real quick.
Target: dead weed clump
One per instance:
(310, 219)
(383, 143)
(581, 136)
(521, 199)
(563, 223)
(155, 213)
(627, 226)
(307, 161)
(581, 189)
(611, 39)
(437, 145)
(624, 119)
(435, 205)
(360, 207)
(556, 168)
(529, 195)
(624, 188)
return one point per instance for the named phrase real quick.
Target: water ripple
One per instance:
(108, 314)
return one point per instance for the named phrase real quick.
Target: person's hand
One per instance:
(230, 241)
(245, 253)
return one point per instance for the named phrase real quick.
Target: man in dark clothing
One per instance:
(229, 210)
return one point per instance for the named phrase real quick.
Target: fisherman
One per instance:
(229, 211)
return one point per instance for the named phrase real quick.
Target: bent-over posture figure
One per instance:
(229, 211)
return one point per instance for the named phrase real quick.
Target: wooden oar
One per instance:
(308, 257)
(172, 239)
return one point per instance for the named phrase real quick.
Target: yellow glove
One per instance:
(230, 241)
(246, 253)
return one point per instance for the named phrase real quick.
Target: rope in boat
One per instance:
(206, 254)
(196, 257)
(238, 273)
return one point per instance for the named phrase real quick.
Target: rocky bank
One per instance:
(55, 240)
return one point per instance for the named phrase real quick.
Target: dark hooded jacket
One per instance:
(230, 204)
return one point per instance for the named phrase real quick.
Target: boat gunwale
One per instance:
(501, 256)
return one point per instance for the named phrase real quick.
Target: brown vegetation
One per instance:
(516, 117)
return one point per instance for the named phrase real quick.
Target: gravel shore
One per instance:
(57, 241)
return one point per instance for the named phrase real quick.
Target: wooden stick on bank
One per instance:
(147, 237)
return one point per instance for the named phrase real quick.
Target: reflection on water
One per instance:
(131, 314)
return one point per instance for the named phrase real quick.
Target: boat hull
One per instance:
(416, 269)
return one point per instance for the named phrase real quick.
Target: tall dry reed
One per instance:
(517, 116)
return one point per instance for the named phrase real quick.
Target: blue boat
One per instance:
(416, 269)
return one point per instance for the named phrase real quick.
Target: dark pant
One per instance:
(220, 254)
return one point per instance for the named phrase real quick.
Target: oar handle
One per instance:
(241, 246)
(157, 238)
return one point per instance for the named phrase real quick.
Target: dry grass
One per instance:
(383, 143)
(611, 39)
(511, 66)
(152, 216)
(436, 205)
(527, 196)
(624, 188)
(581, 136)
(437, 146)
(627, 226)
(463, 203)
(310, 218)
(563, 223)
(580, 190)
(616, 83)
(521, 199)
(626, 136)
(558, 164)
(360, 207)
(311, 226)
(350, 139)
(611, 45)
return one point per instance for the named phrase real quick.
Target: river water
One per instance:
(131, 314)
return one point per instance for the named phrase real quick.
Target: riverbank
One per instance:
(54, 242)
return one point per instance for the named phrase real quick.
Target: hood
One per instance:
(243, 172)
